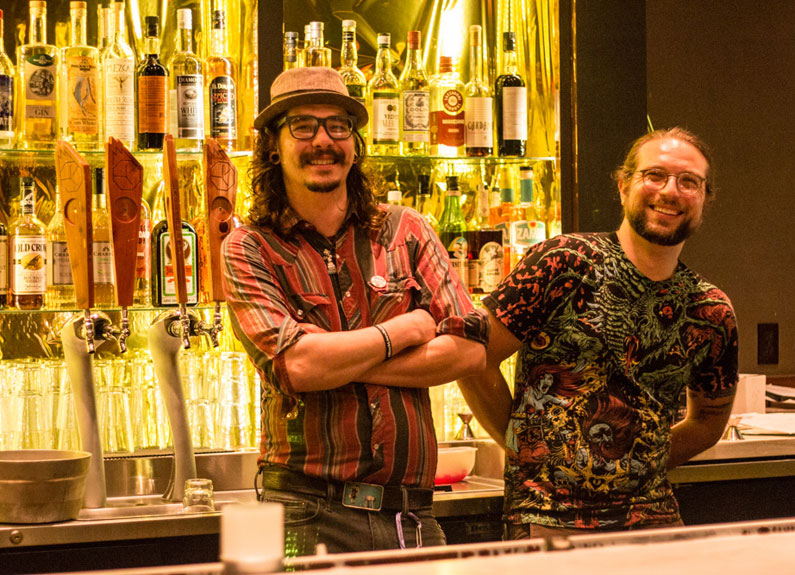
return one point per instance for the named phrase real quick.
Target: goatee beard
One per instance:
(325, 187)
(638, 222)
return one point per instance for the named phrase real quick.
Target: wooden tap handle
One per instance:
(174, 217)
(125, 189)
(74, 181)
(220, 191)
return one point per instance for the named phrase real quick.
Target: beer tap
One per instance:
(78, 335)
(220, 191)
(125, 190)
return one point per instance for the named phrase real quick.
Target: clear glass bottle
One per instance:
(510, 93)
(39, 84)
(80, 79)
(6, 94)
(452, 229)
(28, 250)
(448, 131)
(316, 53)
(414, 100)
(104, 290)
(60, 285)
(527, 217)
(351, 74)
(383, 102)
(500, 209)
(186, 114)
(290, 51)
(104, 27)
(425, 204)
(220, 78)
(478, 114)
(152, 88)
(118, 70)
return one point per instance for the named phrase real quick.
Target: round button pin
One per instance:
(377, 282)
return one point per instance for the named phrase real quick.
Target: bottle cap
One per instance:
(349, 23)
(445, 64)
(414, 38)
(316, 26)
(525, 172)
(152, 25)
(394, 196)
(73, 5)
(384, 39)
(185, 18)
(508, 41)
(452, 183)
(475, 32)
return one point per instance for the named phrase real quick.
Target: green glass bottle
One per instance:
(452, 229)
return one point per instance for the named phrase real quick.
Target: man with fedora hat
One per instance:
(350, 311)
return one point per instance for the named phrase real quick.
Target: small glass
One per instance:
(198, 496)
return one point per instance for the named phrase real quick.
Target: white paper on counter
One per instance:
(768, 423)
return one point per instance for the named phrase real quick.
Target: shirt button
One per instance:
(377, 446)
(300, 313)
(373, 406)
(347, 294)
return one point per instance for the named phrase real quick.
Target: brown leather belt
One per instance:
(366, 496)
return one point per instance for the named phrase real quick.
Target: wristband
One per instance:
(387, 340)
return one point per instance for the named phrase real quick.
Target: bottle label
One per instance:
(385, 122)
(103, 263)
(40, 71)
(6, 106)
(59, 270)
(490, 268)
(3, 264)
(457, 250)
(416, 115)
(81, 95)
(189, 112)
(152, 97)
(448, 127)
(119, 99)
(29, 276)
(525, 233)
(168, 288)
(514, 113)
(356, 91)
(223, 108)
(479, 123)
(143, 259)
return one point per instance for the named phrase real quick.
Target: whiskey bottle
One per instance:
(6, 101)
(60, 286)
(104, 289)
(221, 84)
(478, 114)
(118, 70)
(290, 51)
(353, 77)
(143, 262)
(452, 229)
(28, 250)
(164, 291)
(3, 265)
(152, 88)
(448, 131)
(510, 93)
(384, 103)
(315, 52)
(37, 64)
(414, 100)
(80, 79)
(186, 88)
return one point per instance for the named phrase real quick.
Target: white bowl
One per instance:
(454, 464)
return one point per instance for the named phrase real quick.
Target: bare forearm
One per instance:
(700, 430)
(489, 398)
(440, 360)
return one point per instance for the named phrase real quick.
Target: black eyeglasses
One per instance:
(655, 179)
(306, 127)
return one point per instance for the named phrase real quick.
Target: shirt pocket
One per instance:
(309, 308)
(397, 297)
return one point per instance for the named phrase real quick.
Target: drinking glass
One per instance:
(35, 431)
(114, 407)
(198, 496)
(235, 416)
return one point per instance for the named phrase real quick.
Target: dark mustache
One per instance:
(308, 156)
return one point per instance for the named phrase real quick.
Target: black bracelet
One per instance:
(387, 340)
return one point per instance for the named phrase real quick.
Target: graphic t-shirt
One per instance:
(606, 353)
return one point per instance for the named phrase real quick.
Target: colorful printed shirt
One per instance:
(606, 353)
(360, 432)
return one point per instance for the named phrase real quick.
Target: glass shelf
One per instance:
(49, 152)
(136, 309)
(464, 159)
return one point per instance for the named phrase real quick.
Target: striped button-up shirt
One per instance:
(359, 278)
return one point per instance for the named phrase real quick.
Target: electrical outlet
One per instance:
(767, 343)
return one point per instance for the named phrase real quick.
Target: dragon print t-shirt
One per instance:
(605, 354)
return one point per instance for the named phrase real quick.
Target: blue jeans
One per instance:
(309, 520)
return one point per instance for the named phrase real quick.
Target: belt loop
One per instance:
(404, 494)
(331, 492)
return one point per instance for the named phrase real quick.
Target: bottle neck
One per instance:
(218, 46)
(105, 26)
(152, 45)
(78, 36)
(118, 22)
(99, 200)
(38, 26)
(27, 204)
(383, 60)
(185, 40)
(476, 64)
(349, 55)
(509, 62)
(414, 58)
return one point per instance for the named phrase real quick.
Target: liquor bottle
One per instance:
(186, 114)
(452, 229)
(448, 131)
(394, 198)
(290, 51)
(3, 265)
(220, 77)
(143, 262)
(118, 70)
(500, 211)
(163, 286)
(527, 218)
(104, 289)
(301, 47)
(425, 201)
(105, 18)
(80, 79)
(315, 52)
(353, 77)
(249, 97)
(6, 99)
(152, 88)
(479, 116)
(60, 285)
(414, 100)
(37, 64)
(384, 103)
(511, 95)
(486, 250)
(28, 250)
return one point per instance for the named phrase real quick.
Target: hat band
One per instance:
(309, 91)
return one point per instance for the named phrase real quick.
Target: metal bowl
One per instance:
(42, 485)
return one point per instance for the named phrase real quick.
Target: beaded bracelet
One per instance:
(387, 340)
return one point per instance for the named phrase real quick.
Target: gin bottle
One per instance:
(6, 97)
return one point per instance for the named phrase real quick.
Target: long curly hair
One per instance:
(269, 195)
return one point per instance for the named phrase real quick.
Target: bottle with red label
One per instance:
(448, 127)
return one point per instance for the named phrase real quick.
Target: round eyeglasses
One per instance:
(306, 127)
(655, 179)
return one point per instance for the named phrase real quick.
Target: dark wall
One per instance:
(726, 70)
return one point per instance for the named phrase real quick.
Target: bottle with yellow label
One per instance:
(80, 79)
(28, 250)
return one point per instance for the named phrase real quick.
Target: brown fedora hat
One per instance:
(301, 86)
